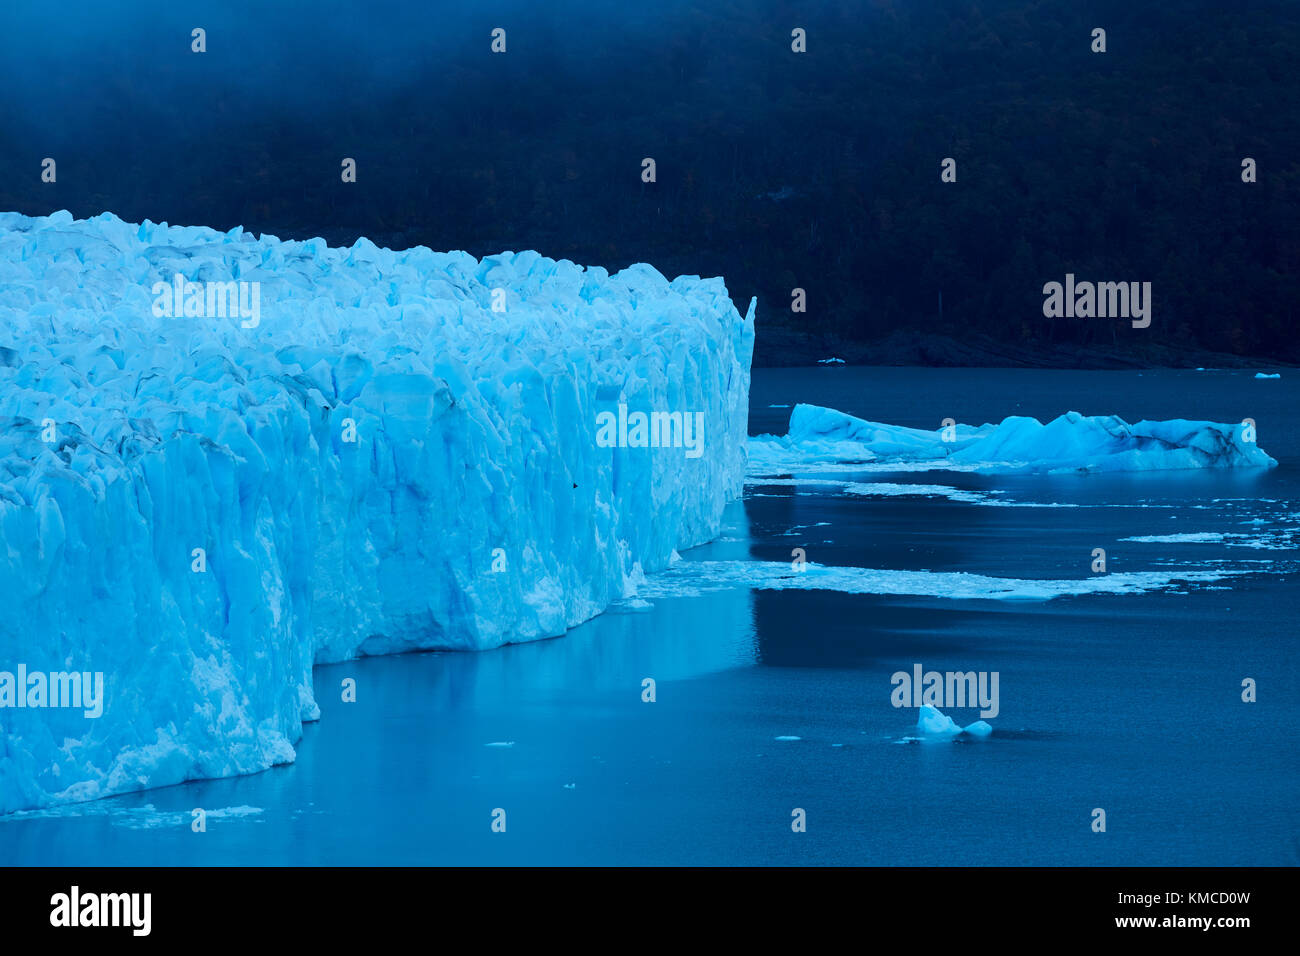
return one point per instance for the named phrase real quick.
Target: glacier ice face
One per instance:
(397, 451)
(1071, 442)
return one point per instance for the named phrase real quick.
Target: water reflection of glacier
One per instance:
(615, 651)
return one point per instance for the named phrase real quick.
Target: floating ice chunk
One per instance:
(1107, 443)
(932, 722)
(1281, 539)
(787, 738)
(815, 425)
(1266, 375)
(147, 817)
(1071, 442)
(691, 578)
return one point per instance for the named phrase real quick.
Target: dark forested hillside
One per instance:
(775, 169)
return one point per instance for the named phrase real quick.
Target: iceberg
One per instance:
(932, 722)
(228, 457)
(1070, 443)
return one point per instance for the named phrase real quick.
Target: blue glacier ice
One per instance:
(1069, 443)
(932, 722)
(397, 452)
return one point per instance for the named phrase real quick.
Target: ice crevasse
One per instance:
(399, 453)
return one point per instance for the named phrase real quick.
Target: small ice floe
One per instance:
(780, 406)
(830, 361)
(570, 786)
(1266, 375)
(500, 743)
(1267, 540)
(787, 738)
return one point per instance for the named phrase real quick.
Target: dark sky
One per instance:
(776, 170)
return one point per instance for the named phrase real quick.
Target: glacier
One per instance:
(1069, 443)
(397, 452)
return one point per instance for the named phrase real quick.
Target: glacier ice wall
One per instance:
(475, 506)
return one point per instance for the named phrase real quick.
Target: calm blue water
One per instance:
(1128, 703)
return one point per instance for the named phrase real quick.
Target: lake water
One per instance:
(1130, 703)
